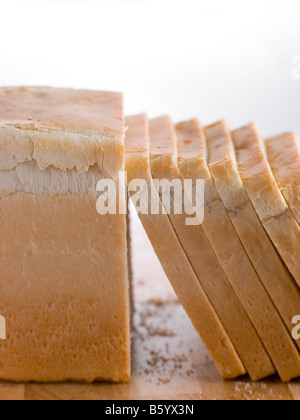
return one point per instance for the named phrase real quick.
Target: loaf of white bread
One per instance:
(64, 287)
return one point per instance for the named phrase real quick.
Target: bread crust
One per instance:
(69, 110)
(266, 196)
(284, 157)
(64, 128)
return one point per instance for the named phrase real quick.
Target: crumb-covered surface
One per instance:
(169, 359)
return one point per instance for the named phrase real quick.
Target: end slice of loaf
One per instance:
(64, 283)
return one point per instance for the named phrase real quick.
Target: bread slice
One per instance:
(163, 160)
(266, 196)
(64, 285)
(274, 276)
(284, 158)
(172, 256)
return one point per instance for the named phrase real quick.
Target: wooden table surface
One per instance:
(169, 359)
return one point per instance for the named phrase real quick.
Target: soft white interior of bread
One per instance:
(29, 178)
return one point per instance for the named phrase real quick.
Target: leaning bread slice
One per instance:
(171, 254)
(266, 196)
(220, 231)
(284, 158)
(274, 275)
(163, 160)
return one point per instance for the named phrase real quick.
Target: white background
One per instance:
(212, 59)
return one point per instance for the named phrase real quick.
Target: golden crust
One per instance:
(64, 128)
(161, 132)
(219, 148)
(284, 158)
(266, 196)
(75, 111)
(137, 134)
(189, 144)
(174, 260)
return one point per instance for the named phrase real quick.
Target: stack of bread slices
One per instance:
(237, 271)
